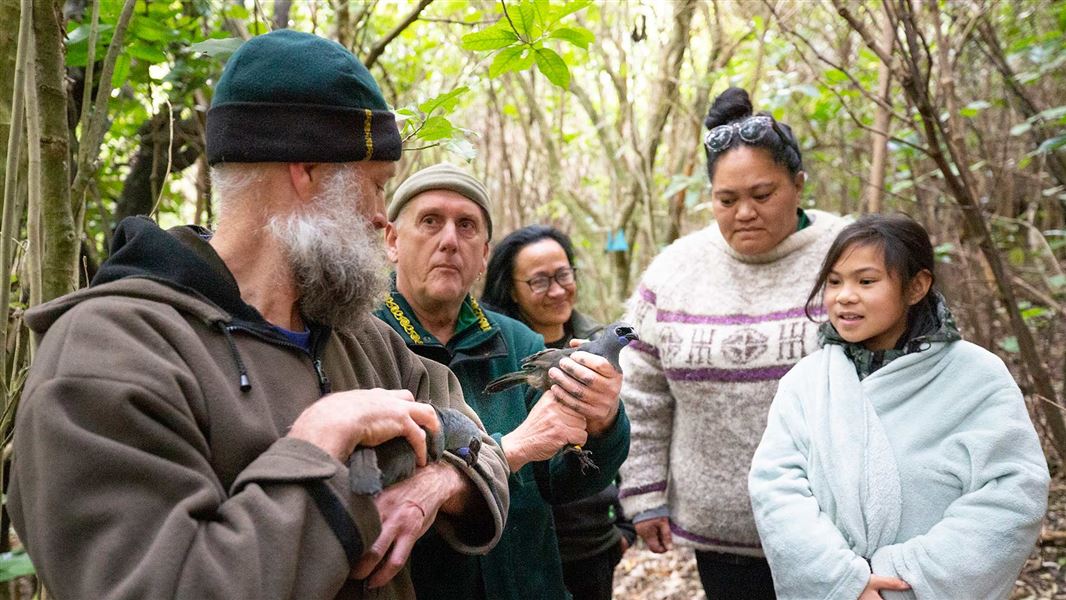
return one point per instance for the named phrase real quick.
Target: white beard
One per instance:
(337, 257)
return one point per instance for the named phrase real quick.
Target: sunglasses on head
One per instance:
(750, 130)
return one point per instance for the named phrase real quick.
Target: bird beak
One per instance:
(472, 449)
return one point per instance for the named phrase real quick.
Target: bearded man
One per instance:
(185, 426)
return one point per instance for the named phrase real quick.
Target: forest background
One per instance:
(587, 116)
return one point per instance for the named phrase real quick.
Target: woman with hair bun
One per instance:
(720, 316)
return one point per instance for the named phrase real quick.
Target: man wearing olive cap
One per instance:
(185, 427)
(437, 238)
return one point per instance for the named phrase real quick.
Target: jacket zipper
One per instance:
(324, 385)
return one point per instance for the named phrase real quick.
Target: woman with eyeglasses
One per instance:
(720, 315)
(531, 277)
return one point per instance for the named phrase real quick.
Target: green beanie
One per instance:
(441, 177)
(289, 96)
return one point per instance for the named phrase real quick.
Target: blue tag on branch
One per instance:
(616, 242)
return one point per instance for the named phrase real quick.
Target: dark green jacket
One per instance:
(525, 563)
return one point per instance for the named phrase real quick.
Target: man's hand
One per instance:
(340, 422)
(407, 510)
(873, 588)
(656, 534)
(588, 385)
(547, 428)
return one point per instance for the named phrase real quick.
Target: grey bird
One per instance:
(371, 470)
(535, 368)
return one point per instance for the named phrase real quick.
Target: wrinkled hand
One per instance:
(547, 428)
(656, 534)
(588, 385)
(407, 510)
(339, 422)
(873, 588)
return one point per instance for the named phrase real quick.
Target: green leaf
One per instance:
(578, 36)
(1052, 114)
(1009, 344)
(1021, 128)
(15, 564)
(524, 17)
(513, 58)
(81, 33)
(122, 70)
(553, 67)
(569, 8)
(492, 38)
(971, 109)
(1034, 312)
(149, 54)
(1057, 281)
(835, 76)
(435, 128)
(220, 48)
(1052, 144)
(446, 101)
(150, 30)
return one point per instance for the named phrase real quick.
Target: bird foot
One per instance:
(584, 457)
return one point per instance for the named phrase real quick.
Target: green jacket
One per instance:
(525, 563)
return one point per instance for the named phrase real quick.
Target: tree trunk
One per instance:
(59, 246)
(642, 188)
(875, 187)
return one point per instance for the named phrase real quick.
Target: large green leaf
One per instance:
(445, 101)
(493, 38)
(578, 36)
(524, 17)
(436, 128)
(514, 58)
(552, 66)
(147, 53)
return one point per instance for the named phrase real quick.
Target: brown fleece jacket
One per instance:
(143, 470)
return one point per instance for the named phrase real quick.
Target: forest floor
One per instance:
(643, 575)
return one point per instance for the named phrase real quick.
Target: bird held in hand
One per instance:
(371, 470)
(535, 367)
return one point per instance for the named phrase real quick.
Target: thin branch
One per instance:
(9, 228)
(378, 48)
(89, 149)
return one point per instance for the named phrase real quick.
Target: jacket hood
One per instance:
(177, 267)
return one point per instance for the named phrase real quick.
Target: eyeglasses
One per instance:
(750, 130)
(542, 283)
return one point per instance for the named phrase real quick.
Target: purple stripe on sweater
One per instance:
(646, 294)
(645, 348)
(695, 537)
(658, 486)
(670, 316)
(729, 375)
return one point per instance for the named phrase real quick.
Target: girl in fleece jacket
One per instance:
(898, 461)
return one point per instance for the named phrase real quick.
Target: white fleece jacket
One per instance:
(930, 468)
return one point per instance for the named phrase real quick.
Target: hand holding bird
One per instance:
(372, 469)
(585, 379)
(589, 385)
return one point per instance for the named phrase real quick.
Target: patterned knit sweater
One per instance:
(718, 329)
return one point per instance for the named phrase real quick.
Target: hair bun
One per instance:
(729, 106)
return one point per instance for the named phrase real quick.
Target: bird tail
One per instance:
(504, 382)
